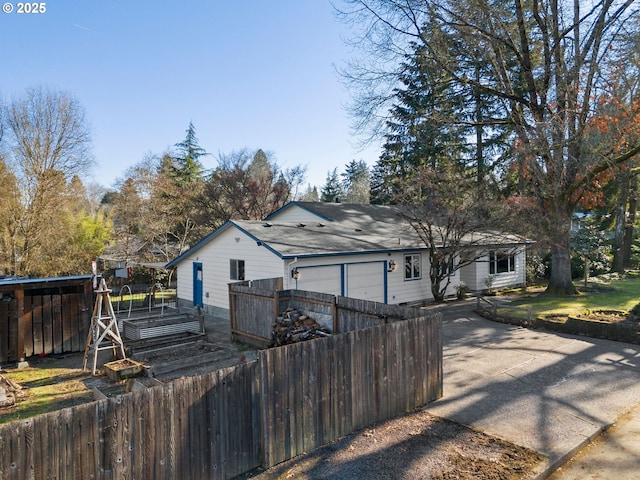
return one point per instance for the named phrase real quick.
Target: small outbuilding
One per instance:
(42, 316)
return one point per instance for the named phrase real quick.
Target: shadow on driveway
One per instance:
(546, 391)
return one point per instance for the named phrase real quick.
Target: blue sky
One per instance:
(253, 73)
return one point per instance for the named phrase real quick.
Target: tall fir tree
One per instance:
(356, 182)
(332, 190)
(186, 166)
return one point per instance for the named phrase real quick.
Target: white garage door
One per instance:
(365, 281)
(321, 279)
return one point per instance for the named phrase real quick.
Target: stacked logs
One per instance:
(293, 326)
(10, 392)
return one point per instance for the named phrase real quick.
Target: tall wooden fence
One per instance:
(222, 424)
(193, 428)
(253, 309)
(44, 318)
(313, 393)
(252, 312)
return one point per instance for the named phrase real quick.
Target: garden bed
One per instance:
(122, 369)
(149, 327)
(608, 324)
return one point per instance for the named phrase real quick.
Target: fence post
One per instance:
(199, 315)
(22, 323)
(232, 311)
(336, 324)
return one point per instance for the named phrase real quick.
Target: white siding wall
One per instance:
(184, 274)
(470, 277)
(261, 263)
(399, 290)
(511, 279)
(475, 275)
(408, 291)
(294, 213)
(215, 258)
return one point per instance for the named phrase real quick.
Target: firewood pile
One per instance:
(293, 326)
(10, 391)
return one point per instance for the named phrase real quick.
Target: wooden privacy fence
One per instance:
(253, 310)
(193, 428)
(313, 393)
(44, 317)
(222, 424)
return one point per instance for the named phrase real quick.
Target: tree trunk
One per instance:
(630, 223)
(561, 282)
(438, 297)
(619, 232)
(435, 278)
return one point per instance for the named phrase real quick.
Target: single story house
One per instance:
(354, 250)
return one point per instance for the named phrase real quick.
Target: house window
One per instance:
(412, 267)
(501, 262)
(236, 269)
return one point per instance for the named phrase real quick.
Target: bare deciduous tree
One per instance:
(450, 215)
(544, 62)
(48, 142)
(10, 215)
(48, 130)
(248, 186)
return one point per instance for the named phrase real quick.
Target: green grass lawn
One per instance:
(601, 294)
(45, 390)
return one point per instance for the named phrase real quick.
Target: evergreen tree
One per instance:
(356, 182)
(185, 167)
(310, 195)
(332, 190)
(544, 67)
(382, 183)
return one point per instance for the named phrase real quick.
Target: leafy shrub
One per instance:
(461, 290)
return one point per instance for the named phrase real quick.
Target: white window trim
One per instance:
(494, 258)
(414, 258)
(235, 272)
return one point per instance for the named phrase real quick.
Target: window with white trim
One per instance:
(412, 269)
(236, 269)
(501, 262)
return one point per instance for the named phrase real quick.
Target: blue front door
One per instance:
(197, 284)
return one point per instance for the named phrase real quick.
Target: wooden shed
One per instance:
(41, 316)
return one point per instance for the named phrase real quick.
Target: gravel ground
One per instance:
(414, 446)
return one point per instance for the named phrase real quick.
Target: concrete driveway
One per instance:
(547, 391)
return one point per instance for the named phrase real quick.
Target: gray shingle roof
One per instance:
(351, 228)
(323, 238)
(341, 229)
